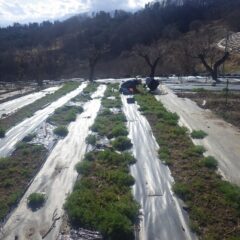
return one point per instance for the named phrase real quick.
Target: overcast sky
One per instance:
(24, 11)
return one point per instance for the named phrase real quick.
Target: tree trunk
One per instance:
(213, 71)
(92, 65)
(91, 73)
(214, 75)
(153, 67)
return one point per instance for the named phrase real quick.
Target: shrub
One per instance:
(84, 167)
(122, 143)
(91, 139)
(181, 190)
(198, 134)
(36, 200)
(210, 162)
(2, 132)
(171, 118)
(120, 178)
(118, 131)
(61, 131)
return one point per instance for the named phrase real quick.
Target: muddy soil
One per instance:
(228, 109)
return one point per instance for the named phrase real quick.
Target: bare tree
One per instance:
(151, 54)
(202, 45)
(95, 53)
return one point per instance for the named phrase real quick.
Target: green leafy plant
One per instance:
(84, 167)
(122, 143)
(210, 162)
(61, 131)
(36, 200)
(181, 190)
(198, 134)
(91, 139)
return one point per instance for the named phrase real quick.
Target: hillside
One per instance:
(64, 49)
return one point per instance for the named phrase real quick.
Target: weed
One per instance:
(182, 190)
(210, 162)
(61, 131)
(36, 200)
(91, 139)
(194, 150)
(84, 167)
(117, 131)
(198, 134)
(231, 193)
(121, 143)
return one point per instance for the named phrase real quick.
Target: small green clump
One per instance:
(61, 131)
(198, 134)
(36, 200)
(181, 190)
(122, 143)
(91, 139)
(210, 162)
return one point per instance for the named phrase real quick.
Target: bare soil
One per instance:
(227, 108)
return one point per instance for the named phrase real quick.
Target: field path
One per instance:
(223, 140)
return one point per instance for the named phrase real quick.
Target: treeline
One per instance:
(52, 50)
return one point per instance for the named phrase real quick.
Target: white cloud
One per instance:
(25, 11)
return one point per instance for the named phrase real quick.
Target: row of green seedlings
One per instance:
(61, 119)
(29, 110)
(102, 199)
(213, 204)
(17, 170)
(68, 113)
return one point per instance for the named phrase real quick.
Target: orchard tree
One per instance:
(202, 44)
(95, 53)
(151, 54)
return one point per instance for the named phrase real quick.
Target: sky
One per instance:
(25, 11)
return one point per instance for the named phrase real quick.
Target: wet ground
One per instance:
(55, 179)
